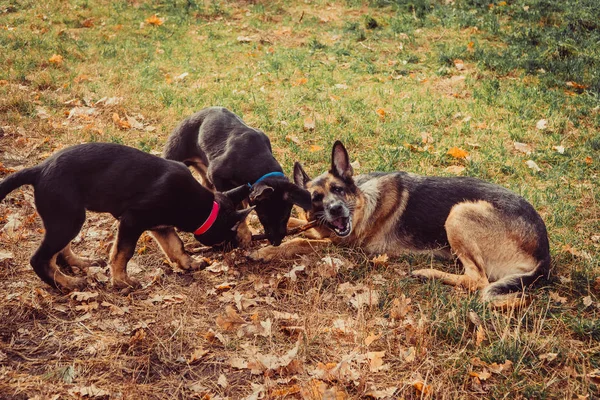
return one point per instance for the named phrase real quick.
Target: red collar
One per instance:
(209, 221)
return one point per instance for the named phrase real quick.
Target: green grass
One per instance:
(339, 64)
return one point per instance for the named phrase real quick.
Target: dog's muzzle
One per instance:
(339, 219)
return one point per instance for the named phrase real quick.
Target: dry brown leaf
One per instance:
(587, 301)
(222, 381)
(87, 306)
(310, 125)
(577, 85)
(120, 123)
(400, 307)
(381, 394)
(371, 338)
(458, 152)
(479, 335)
(554, 296)
(523, 148)
(532, 165)
(83, 296)
(482, 376)
(422, 388)
(294, 139)
(88, 391)
(366, 298)
(380, 260)
(56, 59)
(376, 361)
(300, 81)
(588, 160)
(283, 392)
(548, 356)
(230, 321)
(459, 64)
(155, 21)
(197, 355)
(542, 124)
(381, 112)
(455, 169)
(409, 355)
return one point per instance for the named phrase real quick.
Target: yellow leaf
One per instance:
(588, 160)
(557, 298)
(422, 388)
(380, 260)
(381, 112)
(56, 59)
(479, 337)
(314, 147)
(301, 81)
(458, 153)
(502, 3)
(371, 338)
(154, 20)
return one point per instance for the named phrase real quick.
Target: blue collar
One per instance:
(265, 176)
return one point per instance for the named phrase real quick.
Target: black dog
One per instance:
(228, 153)
(143, 191)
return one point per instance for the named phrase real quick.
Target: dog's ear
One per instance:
(238, 194)
(300, 177)
(340, 162)
(298, 196)
(241, 216)
(260, 191)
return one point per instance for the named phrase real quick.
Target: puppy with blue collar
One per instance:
(228, 153)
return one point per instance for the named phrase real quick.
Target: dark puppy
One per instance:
(143, 191)
(228, 153)
(497, 235)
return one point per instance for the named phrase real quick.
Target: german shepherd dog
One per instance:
(497, 235)
(227, 153)
(143, 191)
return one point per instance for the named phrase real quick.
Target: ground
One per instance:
(505, 91)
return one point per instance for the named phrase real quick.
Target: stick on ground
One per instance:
(291, 232)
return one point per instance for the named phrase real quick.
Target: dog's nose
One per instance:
(336, 209)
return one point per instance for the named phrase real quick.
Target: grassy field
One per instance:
(506, 91)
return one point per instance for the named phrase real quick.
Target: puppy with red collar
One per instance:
(144, 192)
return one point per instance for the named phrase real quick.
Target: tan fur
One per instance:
(120, 255)
(202, 169)
(171, 244)
(65, 282)
(75, 260)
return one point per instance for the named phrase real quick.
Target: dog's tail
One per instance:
(516, 282)
(27, 176)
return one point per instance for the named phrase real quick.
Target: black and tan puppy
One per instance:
(498, 236)
(143, 191)
(228, 153)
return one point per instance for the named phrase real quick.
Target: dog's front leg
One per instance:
(291, 248)
(122, 251)
(171, 244)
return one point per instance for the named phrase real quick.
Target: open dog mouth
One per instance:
(342, 226)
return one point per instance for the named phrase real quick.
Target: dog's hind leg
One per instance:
(122, 251)
(75, 260)
(62, 225)
(202, 169)
(171, 244)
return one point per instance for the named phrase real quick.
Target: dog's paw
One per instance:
(422, 273)
(126, 282)
(198, 263)
(71, 284)
(265, 254)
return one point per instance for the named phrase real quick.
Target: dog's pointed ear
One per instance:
(241, 216)
(340, 162)
(260, 191)
(238, 194)
(298, 196)
(300, 177)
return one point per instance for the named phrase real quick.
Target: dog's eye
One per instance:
(337, 190)
(317, 197)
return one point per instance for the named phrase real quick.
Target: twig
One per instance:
(291, 232)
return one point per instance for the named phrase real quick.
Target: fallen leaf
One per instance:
(299, 82)
(542, 124)
(83, 296)
(314, 148)
(376, 361)
(244, 39)
(181, 77)
(371, 338)
(380, 260)
(459, 64)
(482, 376)
(577, 85)
(554, 296)
(496, 368)
(422, 388)
(6, 255)
(87, 306)
(400, 307)
(523, 148)
(366, 298)
(155, 21)
(589, 160)
(548, 356)
(222, 381)
(56, 59)
(474, 318)
(294, 139)
(559, 149)
(197, 355)
(231, 320)
(121, 123)
(82, 112)
(455, 169)
(309, 125)
(292, 274)
(88, 391)
(457, 152)
(587, 301)
(532, 165)
(381, 112)
(341, 86)
(479, 336)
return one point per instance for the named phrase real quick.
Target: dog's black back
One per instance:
(229, 153)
